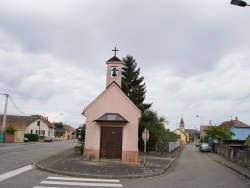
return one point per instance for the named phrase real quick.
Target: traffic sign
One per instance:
(145, 135)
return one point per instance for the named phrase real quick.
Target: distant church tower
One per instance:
(182, 125)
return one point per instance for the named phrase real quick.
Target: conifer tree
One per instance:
(132, 83)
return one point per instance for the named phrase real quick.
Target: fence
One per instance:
(164, 148)
(233, 154)
(173, 145)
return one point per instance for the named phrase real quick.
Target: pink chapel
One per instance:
(112, 121)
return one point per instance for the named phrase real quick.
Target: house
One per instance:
(71, 132)
(240, 133)
(247, 142)
(230, 124)
(193, 134)
(61, 134)
(28, 125)
(240, 129)
(182, 134)
(112, 121)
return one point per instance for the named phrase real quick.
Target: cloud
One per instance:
(193, 54)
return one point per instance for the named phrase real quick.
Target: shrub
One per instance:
(31, 137)
(79, 149)
(10, 129)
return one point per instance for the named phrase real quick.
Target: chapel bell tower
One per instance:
(114, 70)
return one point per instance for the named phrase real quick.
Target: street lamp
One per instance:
(202, 128)
(239, 3)
(54, 125)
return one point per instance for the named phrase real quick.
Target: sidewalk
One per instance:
(234, 166)
(70, 164)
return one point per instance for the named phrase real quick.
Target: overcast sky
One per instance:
(194, 56)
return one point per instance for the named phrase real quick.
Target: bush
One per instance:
(31, 137)
(79, 149)
(10, 129)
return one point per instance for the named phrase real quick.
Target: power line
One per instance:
(234, 106)
(12, 101)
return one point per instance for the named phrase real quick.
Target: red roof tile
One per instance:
(230, 124)
(20, 122)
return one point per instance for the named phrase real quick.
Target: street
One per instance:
(17, 155)
(191, 169)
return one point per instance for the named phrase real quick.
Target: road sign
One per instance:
(145, 135)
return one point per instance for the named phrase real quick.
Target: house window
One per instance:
(31, 131)
(38, 123)
(42, 132)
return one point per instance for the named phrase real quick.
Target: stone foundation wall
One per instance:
(130, 157)
(91, 155)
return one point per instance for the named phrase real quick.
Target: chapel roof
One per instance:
(114, 59)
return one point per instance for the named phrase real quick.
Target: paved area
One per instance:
(70, 164)
(245, 171)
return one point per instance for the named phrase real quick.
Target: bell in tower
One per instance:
(114, 71)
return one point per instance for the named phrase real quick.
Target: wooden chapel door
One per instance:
(111, 142)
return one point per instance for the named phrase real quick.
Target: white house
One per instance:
(38, 125)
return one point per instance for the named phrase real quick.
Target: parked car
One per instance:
(204, 147)
(48, 139)
(26, 139)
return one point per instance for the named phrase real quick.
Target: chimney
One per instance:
(236, 118)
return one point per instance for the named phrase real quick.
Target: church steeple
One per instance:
(114, 70)
(182, 125)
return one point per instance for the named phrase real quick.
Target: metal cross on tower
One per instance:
(115, 50)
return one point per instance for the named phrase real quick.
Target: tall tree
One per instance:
(132, 83)
(155, 125)
(58, 125)
(219, 133)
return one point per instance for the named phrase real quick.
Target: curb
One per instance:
(15, 144)
(40, 167)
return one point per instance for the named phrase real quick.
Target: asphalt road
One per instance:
(18, 155)
(192, 169)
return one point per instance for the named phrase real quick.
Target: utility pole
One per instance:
(5, 111)
(211, 140)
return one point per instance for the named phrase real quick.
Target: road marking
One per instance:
(15, 172)
(75, 181)
(81, 179)
(82, 184)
